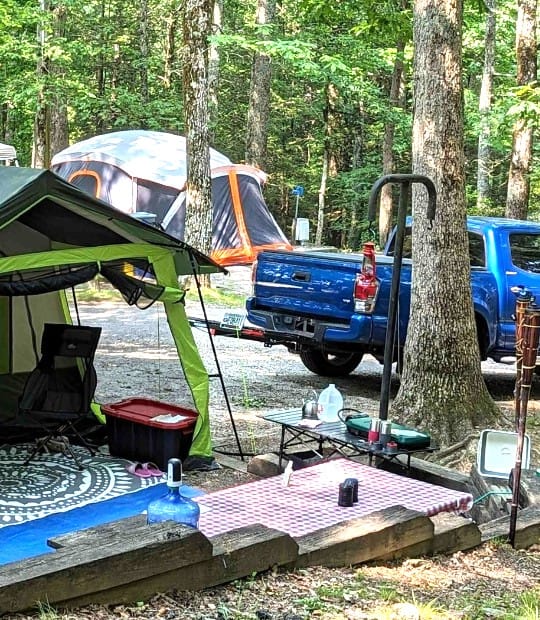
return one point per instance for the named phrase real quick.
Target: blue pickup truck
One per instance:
(319, 305)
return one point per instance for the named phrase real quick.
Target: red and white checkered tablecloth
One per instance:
(310, 501)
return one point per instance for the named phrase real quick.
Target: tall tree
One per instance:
(143, 47)
(517, 199)
(213, 69)
(442, 386)
(59, 113)
(41, 153)
(386, 202)
(196, 33)
(259, 94)
(483, 184)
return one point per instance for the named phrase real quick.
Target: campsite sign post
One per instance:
(298, 191)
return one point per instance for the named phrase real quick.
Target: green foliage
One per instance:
(99, 65)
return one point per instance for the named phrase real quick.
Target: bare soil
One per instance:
(136, 358)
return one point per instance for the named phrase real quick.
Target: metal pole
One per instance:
(405, 180)
(295, 225)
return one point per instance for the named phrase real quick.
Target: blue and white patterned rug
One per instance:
(52, 483)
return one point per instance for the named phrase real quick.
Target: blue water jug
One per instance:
(174, 506)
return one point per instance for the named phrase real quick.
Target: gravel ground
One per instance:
(136, 358)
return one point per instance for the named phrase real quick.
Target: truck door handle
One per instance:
(302, 276)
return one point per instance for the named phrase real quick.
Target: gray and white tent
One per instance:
(140, 171)
(8, 155)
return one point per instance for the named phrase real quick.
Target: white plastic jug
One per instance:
(330, 402)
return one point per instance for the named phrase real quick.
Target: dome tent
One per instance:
(139, 171)
(52, 236)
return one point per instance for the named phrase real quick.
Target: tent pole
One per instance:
(218, 374)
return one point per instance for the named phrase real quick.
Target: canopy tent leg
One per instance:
(218, 374)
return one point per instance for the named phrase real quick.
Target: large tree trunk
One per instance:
(517, 198)
(198, 226)
(386, 205)
(259, 95)
(442, 388)
(484, 108)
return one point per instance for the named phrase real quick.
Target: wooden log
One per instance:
(435, 474)
(120, 557)
(527, 528)
(530, 487)
(451, 533)
(97, 534)
(266, 465)
(365, 538)
(237, 553)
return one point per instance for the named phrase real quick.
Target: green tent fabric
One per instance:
(53, 235)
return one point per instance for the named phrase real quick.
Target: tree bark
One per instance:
(259, 95)
(517, 198)
(386, 204)
(143, 48)
(483, 182)
(199, 215)
(169, 48)
(213, 71)
(442, 388)
(41, 151)
(59, 116)
(328, 162)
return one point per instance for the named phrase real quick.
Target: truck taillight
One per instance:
(366, 284)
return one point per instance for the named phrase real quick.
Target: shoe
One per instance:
(137, 469)
(200, 463)
(153, 469)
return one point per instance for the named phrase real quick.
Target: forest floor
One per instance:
(136, 358)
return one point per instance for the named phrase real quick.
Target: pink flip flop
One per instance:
(138, 469)
(152, 469)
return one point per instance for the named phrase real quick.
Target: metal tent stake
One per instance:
(405, 181)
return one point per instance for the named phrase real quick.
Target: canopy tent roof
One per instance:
(53, 236)
(152, 155)
(45, 202)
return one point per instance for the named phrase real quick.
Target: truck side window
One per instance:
(476, 248)
(525, 251)
(407, 244)
(477, 253)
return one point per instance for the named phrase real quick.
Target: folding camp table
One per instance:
(296, 431)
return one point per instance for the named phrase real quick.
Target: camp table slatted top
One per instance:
(333, 435)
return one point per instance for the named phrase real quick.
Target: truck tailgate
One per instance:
(319, 284)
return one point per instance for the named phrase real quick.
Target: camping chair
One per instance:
(59, 391)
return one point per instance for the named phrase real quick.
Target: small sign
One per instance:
(298, 190)
(233, 320)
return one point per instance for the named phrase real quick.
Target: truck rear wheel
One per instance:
(328, 365)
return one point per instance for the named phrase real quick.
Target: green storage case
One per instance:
(406, 437)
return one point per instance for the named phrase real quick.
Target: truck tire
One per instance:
(328, 365)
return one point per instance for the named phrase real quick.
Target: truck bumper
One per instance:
(359, 330)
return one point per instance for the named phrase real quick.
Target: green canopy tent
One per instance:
(54, 236)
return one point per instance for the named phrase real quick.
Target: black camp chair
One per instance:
(59, 391)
